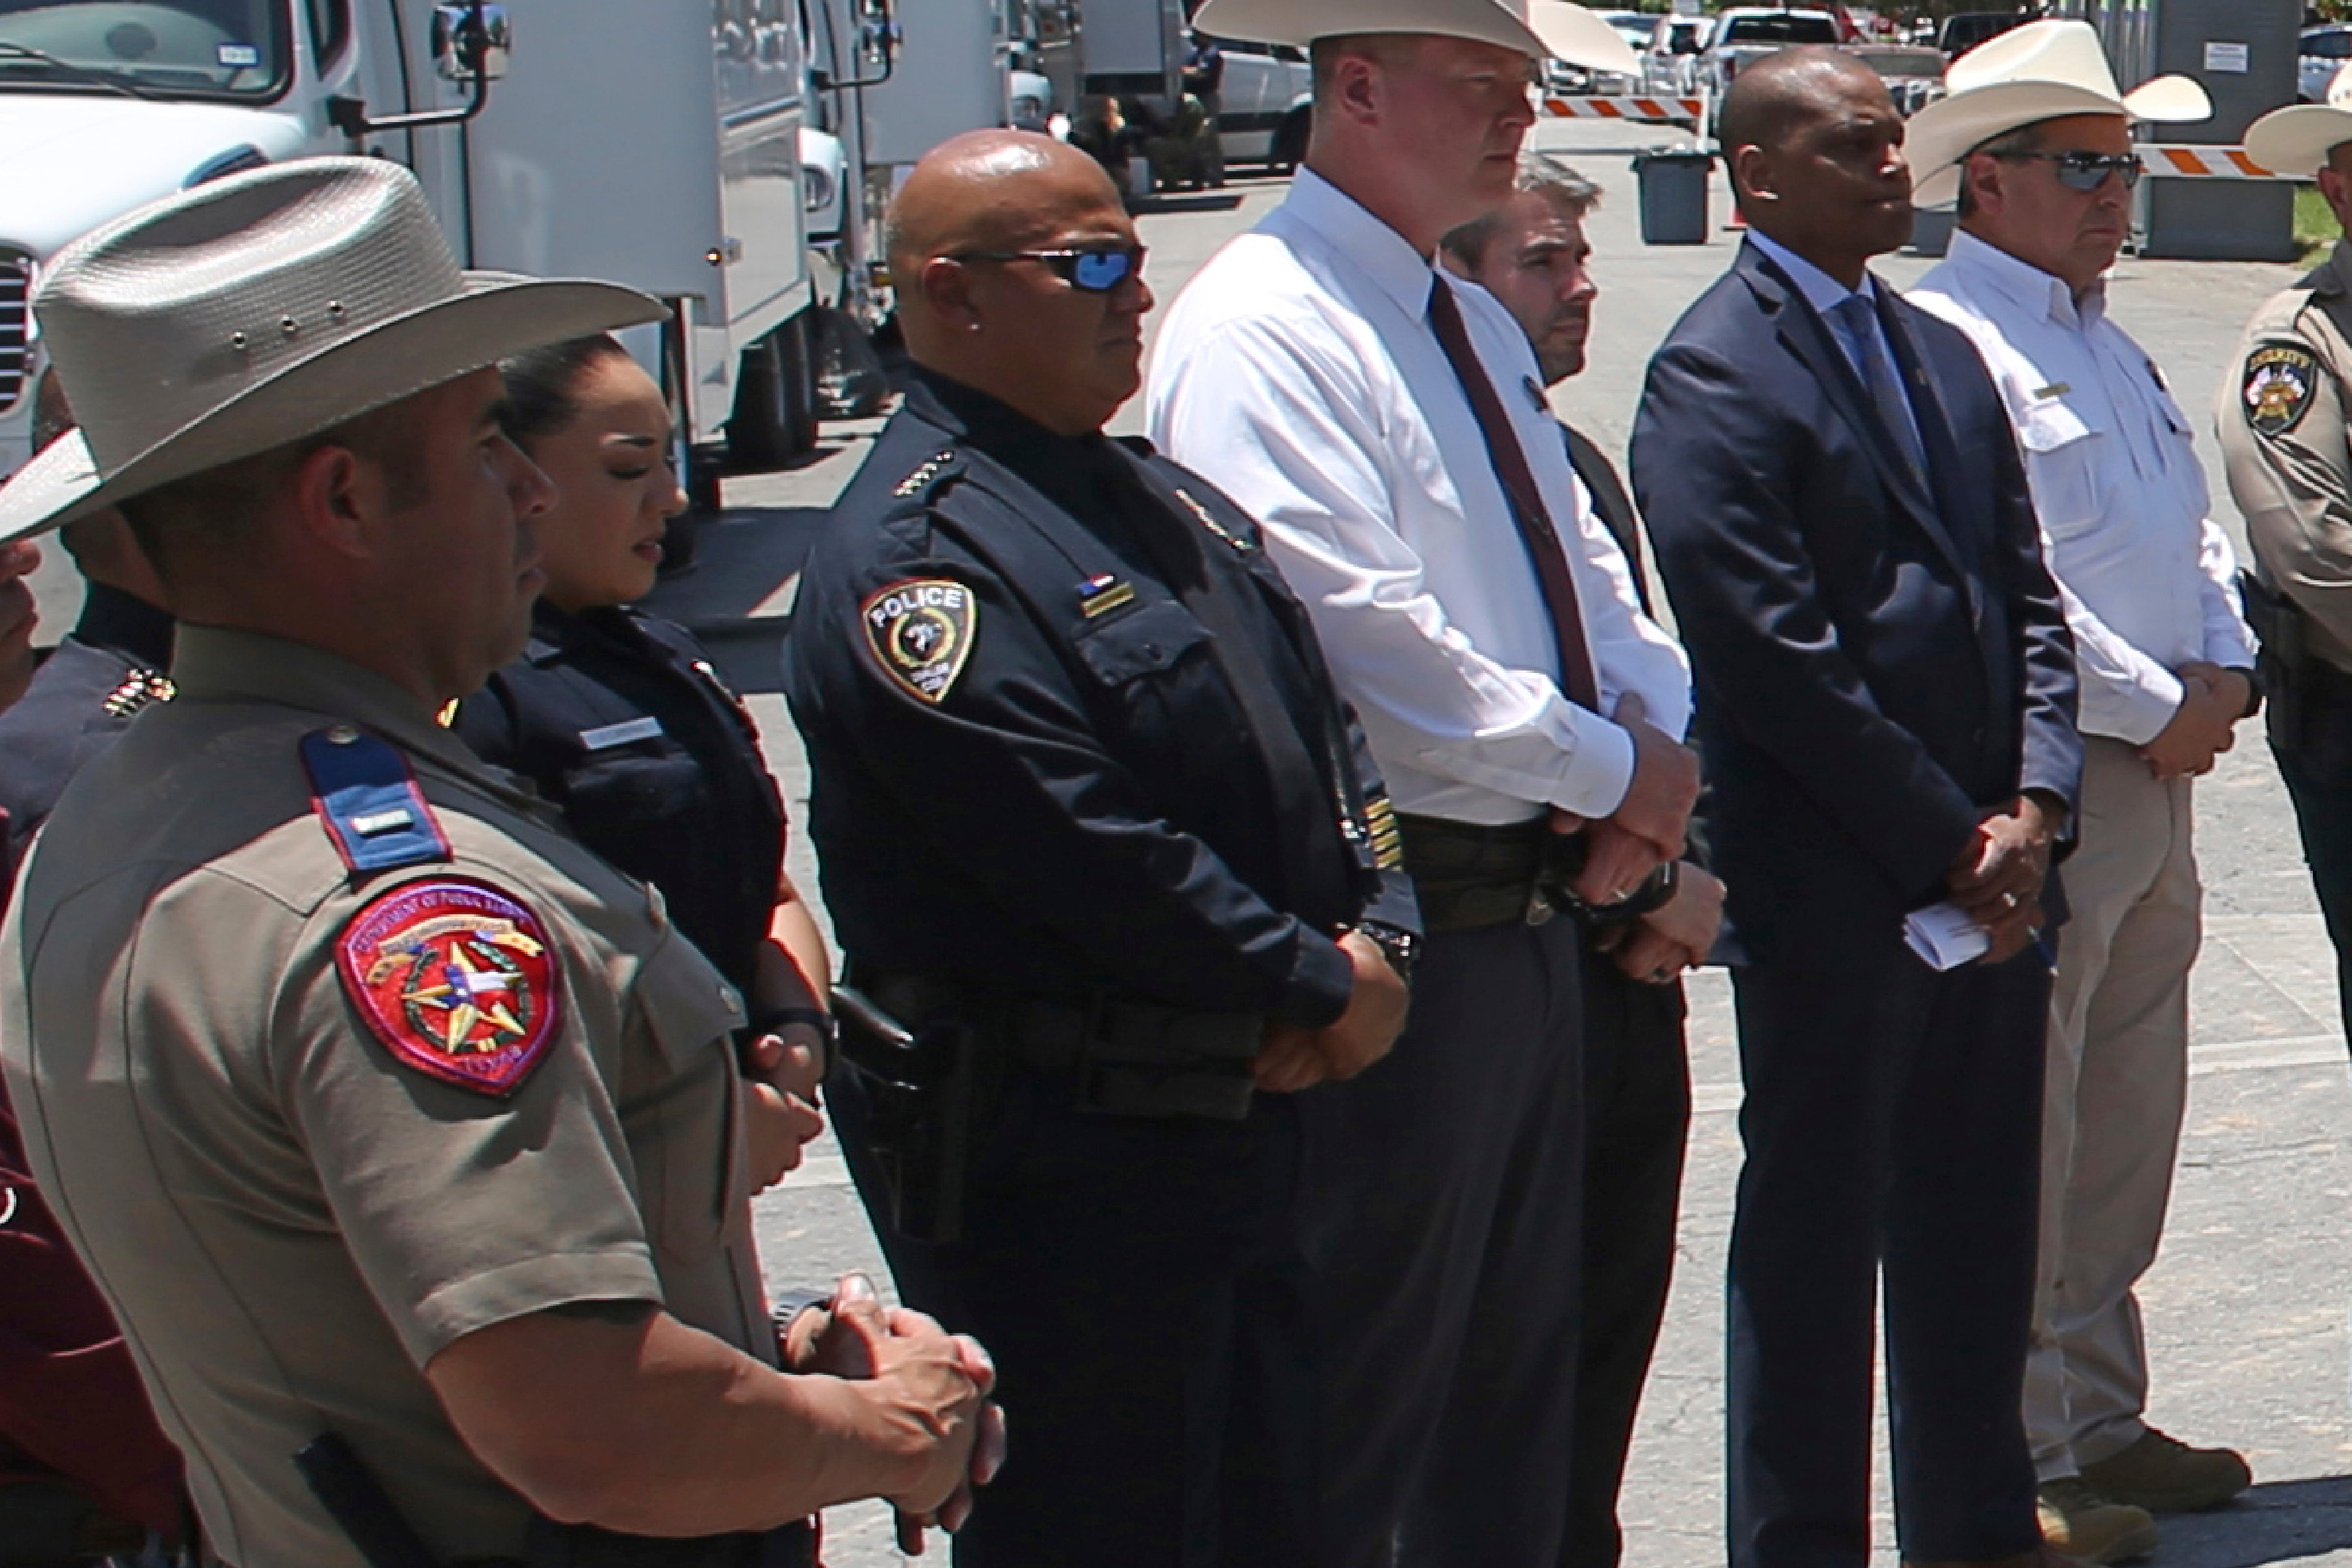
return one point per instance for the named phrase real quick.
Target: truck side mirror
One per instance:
(471, 42)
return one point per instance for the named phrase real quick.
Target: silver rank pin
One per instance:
(924, 475)
(140, 688)
(1212, 525)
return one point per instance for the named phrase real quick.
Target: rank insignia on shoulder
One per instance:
(454, 978)
(138, 688)
(1101, 594)
(2280, 381)
(1211, 525)
(920, 632)
(924, 475)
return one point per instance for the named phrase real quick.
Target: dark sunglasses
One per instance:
(1095, 269)
(2085, 172)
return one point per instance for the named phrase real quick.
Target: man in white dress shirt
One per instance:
(2041, 144)
(1389, 428)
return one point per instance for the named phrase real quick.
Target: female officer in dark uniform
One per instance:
(620, 720)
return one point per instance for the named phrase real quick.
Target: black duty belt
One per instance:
(1129, 1057)
(1468, 875)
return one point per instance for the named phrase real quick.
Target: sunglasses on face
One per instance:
(2084, 172)
(1090, 270)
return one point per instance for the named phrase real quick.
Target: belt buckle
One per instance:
(1540, 907)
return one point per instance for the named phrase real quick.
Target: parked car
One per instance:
(2323, 51)
(1670, 59)
(1266, 92)
(1914, 75)
(1745, 35)
(1964, 30)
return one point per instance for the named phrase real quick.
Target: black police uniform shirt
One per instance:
(84, 695)
(620, 720)
(1032, 769)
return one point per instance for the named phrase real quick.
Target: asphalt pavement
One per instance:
(2246, 1311)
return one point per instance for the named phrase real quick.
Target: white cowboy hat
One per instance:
(2297, 138)
(230, 319)
(2039, 71)
(1538, 29)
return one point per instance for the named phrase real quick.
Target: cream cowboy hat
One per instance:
(2039, 71)
(1538, 29)
(225, 321)
(2297, 138)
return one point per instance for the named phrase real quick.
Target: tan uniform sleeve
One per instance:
(459, 1207)
(2292, 478)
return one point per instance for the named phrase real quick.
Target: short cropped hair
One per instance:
(1324, 55)
(2024, 139)
(1539, 173)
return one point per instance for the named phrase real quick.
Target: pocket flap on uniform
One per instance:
(686, 1003)
(2046, 427)
(1148, 637)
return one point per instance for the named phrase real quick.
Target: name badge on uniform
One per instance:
(604, 737)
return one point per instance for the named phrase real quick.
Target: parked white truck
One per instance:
(655, 142)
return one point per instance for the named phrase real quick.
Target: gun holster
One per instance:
(921, 1085)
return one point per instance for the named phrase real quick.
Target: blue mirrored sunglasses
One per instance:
(1095, 269)
(2085, 170)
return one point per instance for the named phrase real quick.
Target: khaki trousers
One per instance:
(2117, 1080)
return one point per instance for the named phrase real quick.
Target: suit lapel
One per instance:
(1810, 339)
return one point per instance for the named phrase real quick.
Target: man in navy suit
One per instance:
(1887, 695)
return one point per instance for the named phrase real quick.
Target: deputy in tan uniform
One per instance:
(377, 1106)
(2282, 417)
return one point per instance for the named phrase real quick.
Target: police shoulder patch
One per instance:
(921, 631)
(455, 977)
(2280, 380)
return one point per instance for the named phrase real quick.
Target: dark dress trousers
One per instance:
(1056, 793)
(1881, 661)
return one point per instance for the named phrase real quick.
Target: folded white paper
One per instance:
(1944, 937)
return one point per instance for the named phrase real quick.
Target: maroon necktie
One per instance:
(1536, 529)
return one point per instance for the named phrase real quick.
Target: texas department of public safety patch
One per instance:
(920, 632)
(2280, 381)
(455, 977)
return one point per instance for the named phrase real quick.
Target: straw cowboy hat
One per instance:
(1537, 28)
(2297, 138)
(258, 310)
(2039, 71)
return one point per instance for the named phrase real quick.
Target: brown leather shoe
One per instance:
(2083, 1522)
(2165, 1474)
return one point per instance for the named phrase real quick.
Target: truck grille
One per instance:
(16, 291)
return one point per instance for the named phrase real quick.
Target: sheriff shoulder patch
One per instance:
(2279, 382)
(455, 977)
(921, 631)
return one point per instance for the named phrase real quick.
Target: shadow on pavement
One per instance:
(736, 596)
(2276, 1521)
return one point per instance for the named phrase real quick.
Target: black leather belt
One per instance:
(1468, 875)
(1131, 1058)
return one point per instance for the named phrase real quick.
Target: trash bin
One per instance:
(1674, 194)
(1931, 229)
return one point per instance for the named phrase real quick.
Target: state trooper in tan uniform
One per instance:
(2282, 423)
(401, 1134)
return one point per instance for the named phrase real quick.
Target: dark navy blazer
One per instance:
(1880, 658)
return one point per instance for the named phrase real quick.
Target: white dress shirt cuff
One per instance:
(1570, 758)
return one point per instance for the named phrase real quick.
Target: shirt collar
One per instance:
(2025, 284)
(219, 664)
(1384, 254)
(1820, 290)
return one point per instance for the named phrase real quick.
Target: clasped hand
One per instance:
(2212, 700)
(1998, 879)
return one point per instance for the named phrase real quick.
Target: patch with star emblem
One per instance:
(920, 632)
(2279, 382)
(455, 977)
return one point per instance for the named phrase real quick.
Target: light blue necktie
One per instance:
(1878, 377)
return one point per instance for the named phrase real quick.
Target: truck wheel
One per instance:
(775, 421)
(1289, 145)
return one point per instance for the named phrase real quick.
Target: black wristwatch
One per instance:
(1398, 945)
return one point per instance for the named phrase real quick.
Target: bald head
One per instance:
(980, 240)
(989, 190)
(1771, 99)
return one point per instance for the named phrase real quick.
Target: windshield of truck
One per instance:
(1778, 28)
(175, 48)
